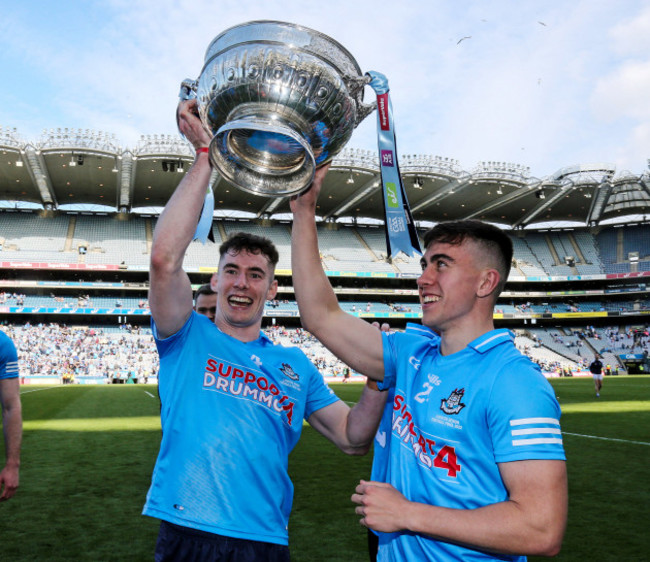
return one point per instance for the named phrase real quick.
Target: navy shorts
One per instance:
(176, 544)
(373, 545)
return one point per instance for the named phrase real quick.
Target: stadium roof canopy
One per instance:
(85, 167)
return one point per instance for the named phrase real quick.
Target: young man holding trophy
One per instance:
(475, 463)
(232, 402)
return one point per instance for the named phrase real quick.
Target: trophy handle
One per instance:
(356, 84)
(188, 89)
(363, 110)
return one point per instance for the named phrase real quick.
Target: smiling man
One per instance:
(232, 402)
(475, 467)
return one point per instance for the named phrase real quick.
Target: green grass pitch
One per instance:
(88, 452)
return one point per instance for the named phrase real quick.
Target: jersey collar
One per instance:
(491, 339)
(421, 330)
(263, 339)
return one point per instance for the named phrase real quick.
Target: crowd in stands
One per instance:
(573, 344)
(286, 306)
(560, 367)
(15, 299)
(126, 355)
(129, 354)
(70, 352)
(326, 362)
(629, 340)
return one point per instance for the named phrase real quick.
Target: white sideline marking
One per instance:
(37, 389)
(607, 438)
(352, 404)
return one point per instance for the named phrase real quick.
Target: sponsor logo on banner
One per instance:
(396, 224)
(391, 195)
(382, 110)
(387, 158)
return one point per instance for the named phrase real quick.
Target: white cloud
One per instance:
(634, 154)
(632, 36)
(624, 92)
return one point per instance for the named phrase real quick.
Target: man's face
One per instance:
(206, 305)
(243, 284)
(451, 275)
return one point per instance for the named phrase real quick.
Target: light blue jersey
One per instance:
(380, 459)
(8, 357)
(231, 412)
(454, 419)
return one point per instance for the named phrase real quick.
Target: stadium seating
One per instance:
(112, 241)
(592, 264)
(357, 251)
(29, 237)
(29, 232)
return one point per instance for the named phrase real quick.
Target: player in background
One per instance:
(205, 301)
(12, 421)
(596, 368)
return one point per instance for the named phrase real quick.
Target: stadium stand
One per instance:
(109, 239)
(597, 304)
(590, 263)
(526, 261)
(26, 236)
(548, 360)
(70, 262)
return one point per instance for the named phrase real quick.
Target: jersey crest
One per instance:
(287, 371)
(453, 404)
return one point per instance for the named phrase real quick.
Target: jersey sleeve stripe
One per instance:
(538, 441)
(532, 431)
(529, 421)
(11, 368)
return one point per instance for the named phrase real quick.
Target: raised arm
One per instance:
(531, 522)
(351, 339)
(351, 429)
(170, 291)
(13, 430)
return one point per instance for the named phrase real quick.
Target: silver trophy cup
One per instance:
(280, 100)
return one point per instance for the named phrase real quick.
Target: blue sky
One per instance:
(542, 83)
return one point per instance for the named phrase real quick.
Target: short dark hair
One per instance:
(251, 243)
(203, 290)
(490, 237)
